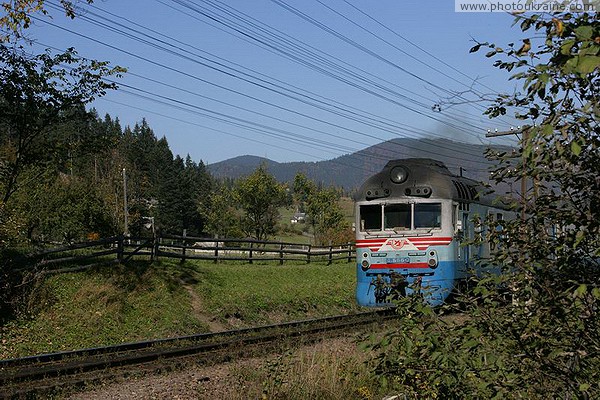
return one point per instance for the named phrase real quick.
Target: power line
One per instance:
(302, 60)
(342, 127)
(204, 81)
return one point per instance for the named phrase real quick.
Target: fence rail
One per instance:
(120, 249)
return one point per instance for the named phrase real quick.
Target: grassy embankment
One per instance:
(143, 301)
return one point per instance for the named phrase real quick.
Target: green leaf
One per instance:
(575, 148)
(580, 291)
(566, 47)
(584, 32)
(587, 64)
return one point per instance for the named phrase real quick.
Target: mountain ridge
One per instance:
(350, 170)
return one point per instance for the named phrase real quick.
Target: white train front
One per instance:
(410, 221)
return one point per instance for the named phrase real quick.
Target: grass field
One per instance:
(143, 301)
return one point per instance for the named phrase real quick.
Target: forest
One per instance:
(72, 188)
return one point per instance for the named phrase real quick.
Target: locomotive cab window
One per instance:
(370, 217)
(397, 216)
(428, 215)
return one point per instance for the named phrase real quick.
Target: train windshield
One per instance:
(397, 217)
(370, 217)
(400, 216)
(428, 215)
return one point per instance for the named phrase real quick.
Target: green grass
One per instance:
(100, 308)
(142, 301)
(261, 293)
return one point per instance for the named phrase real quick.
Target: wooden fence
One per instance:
(120, 249)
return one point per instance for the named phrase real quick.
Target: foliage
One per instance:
(64, 208)
(259, 195)
(18, 14)
(532, 332)
(36, 95)
(180, 187)
(324, 211)
(219, 213)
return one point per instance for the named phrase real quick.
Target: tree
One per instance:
(259, 196)
(544, 342)
(180, 189)
(323, 209)
(221, 218)
(38, 94)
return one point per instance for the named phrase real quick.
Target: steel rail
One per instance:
(15, 372)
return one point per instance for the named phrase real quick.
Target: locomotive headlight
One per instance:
(364, 265)
(398, 174)
(433, 260)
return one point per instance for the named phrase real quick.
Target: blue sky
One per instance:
(290, 80)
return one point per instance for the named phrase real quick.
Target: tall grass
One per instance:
(332, 369)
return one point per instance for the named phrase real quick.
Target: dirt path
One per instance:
(198, 310)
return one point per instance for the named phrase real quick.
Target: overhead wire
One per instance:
(247, 125)
(474, 81)
(362, 153)
(402, 51)
(311, 139)
(372, 136)
(303, 60)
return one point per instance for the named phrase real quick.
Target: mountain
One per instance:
(350, 170)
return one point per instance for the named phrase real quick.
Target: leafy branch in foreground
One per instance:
(532, 332)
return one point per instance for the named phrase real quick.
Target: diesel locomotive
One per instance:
(413, 220)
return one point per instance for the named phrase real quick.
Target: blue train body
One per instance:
(410, 220)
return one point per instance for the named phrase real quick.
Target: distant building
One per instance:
(298, 218)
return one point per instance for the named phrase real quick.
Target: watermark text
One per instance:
(526, 6)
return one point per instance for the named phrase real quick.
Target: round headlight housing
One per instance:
(398, 174)
(364, 265)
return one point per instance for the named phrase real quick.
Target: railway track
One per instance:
(47, 373)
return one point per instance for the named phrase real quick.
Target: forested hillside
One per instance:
(72, 184)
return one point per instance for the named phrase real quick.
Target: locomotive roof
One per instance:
(424, 175)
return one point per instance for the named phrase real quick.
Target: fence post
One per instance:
(216, 250)
(308, 254)
(250, 253)
(330, 255)
(349, 252)
(281, 254)
(156, 246)
(184, 247)
(120, 248)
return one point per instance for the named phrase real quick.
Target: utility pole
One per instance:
(525, 138)
(125, 213)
